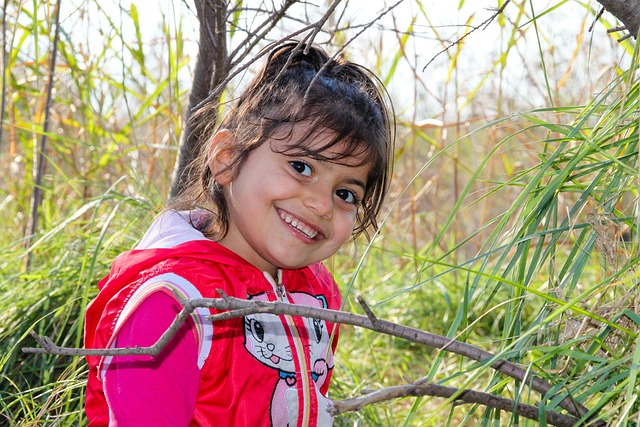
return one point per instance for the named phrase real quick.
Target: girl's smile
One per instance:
(289, 210)
(307, 231)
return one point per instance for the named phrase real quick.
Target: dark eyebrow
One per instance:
(357, 182)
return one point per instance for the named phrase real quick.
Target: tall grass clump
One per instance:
(50, 299)
(115, 122)
(548, 279)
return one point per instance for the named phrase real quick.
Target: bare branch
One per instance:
(5, 56)
(459, 396)
(367, 309)
(616, 29)
(315, 27)
(215, 91)
(372, 22)
(598, 16)
(309, 40)
(410, 334)
(473, 29)
(364, 28)
(48, 347)
(36, 197)
(627, 12)
(258, 34)
(623, 38)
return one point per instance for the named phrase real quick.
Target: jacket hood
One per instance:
(172, 235)
(173, 228)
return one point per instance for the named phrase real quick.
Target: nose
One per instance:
(320, 200)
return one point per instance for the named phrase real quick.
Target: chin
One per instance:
(290, 266)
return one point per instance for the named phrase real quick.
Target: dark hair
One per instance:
(300, 83)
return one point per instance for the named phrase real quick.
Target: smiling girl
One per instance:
(299, 165)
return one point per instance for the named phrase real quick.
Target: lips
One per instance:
(299, 225)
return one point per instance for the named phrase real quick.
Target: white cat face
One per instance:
(266, 340)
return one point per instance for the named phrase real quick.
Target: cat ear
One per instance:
(322, 300)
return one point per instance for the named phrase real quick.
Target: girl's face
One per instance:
(288, 211)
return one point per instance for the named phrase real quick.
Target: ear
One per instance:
(222, 156)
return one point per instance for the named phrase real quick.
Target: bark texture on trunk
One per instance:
(627, 12)
(211, 69)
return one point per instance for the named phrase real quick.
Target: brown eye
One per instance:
(301, 167)
(348, 196)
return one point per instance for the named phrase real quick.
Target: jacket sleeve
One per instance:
(161, 391)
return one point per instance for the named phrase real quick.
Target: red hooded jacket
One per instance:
(258, 370)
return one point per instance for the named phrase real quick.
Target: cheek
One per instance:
(283, 186)
(344, 227)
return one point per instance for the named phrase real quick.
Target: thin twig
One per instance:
(348, 42)
(616, 29)
(598, 16)
(258, 34)
(315, 27)
(224, 295)
(3, 107)
(220, 87)
(367, 309)
(473, 29)
(48, 347)
(623, 38)
(319, 24)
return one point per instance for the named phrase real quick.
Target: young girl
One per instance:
(299, 165)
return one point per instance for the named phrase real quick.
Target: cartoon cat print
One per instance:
(266, 340)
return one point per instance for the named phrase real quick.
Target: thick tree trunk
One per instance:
(211, 70)
(627, 12)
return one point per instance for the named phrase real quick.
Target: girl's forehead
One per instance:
(304, 138)
(303, 134)
(321, 144)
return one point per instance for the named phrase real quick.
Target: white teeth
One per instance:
(300, 226)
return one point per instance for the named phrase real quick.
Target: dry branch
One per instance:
(234, 307)
(458, 396)
(5, 56)
(389, 328)
(483, 25)
(48, 346)
(39, 159)
(627, 11)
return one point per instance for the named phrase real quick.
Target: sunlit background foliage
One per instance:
(511, 223)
